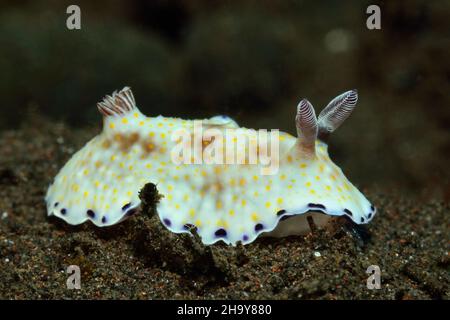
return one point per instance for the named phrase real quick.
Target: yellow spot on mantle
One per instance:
(222, 223)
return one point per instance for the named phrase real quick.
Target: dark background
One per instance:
(253, 60)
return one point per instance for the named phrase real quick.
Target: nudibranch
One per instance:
(232, 202)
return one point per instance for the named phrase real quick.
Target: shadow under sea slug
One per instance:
(232, 202)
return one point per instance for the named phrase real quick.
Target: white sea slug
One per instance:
(232, 202)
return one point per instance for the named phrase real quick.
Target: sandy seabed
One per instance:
(140, 259)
